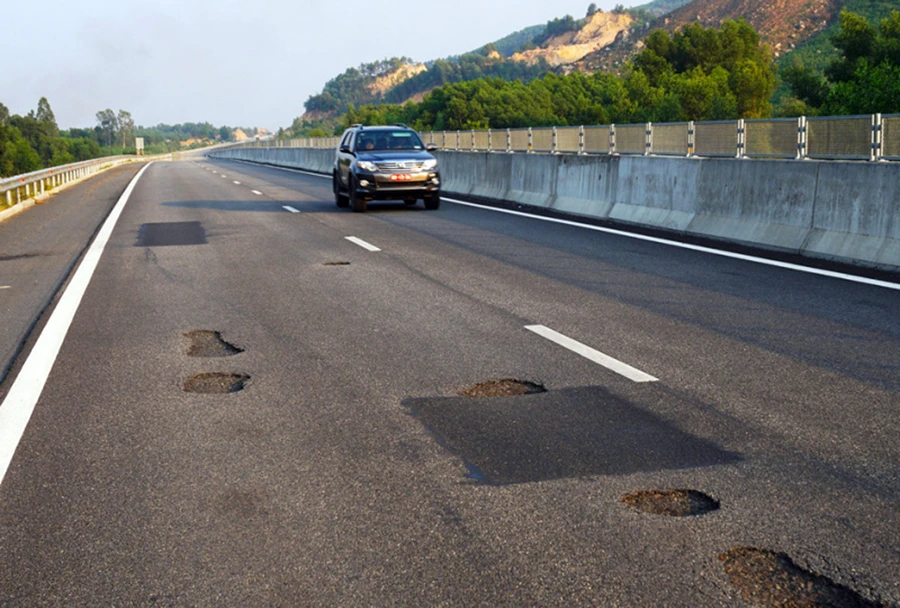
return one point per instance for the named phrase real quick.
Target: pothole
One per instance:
(207, 343)
(506, 387)
(674, 503)
(216, 383)
(767, 578)
(336, 264)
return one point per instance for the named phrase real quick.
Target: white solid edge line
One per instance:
(623, 369)
(16, 409)
(291, 209)
(728, 254)
(652, 239)
(362, 243)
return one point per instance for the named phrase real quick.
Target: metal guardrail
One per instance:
(873, 137)
(14, 190)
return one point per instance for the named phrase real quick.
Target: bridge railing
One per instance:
(14, 190)
(874, 137)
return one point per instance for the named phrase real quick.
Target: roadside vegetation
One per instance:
(35, 141)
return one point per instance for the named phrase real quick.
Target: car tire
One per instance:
(409, 201)
(357, 202)
(433, 202)
(339, 198)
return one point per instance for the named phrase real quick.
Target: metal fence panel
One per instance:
(631, 139)
(596, 139)
(670, 139)
(518, 140)
(844, 137)
(716, 138)
(481, 140)
(890, 136)
(567, 139)
(771, 138)
(542, 140)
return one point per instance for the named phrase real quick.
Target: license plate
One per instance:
(401, 177)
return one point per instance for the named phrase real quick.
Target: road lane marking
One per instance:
(237, 183)
(291, 209)
(16, 409)
(5, 286)
(256, 192)
(224, 176)
(362, 243)
(623, 369)
(726, 254)
(642, 237)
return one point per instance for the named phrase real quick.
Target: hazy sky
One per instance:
(229, 62)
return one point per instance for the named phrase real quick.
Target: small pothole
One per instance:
(767, 578)
(505, 387)
(336, 264)
(207, 343)
(674, 503)
(216, 383)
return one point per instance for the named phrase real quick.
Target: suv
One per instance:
(385, 163)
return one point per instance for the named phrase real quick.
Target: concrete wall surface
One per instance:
(840, 211)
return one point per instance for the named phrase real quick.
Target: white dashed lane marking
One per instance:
(362, 243)
(623, 369)
(256, 192)
(291, 209)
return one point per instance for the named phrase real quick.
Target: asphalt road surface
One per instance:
(349, 471)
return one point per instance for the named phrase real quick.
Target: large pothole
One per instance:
(505, 387)
(208, 343)
(767, 578)
(216, 383)
(674, 503)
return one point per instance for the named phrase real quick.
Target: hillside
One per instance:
(782, 24)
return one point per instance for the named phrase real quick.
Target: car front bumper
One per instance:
(398, 185)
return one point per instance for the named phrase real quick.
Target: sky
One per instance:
(248, 63)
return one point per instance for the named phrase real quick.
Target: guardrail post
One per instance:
(876, 138)
(9, 198)
(530, 141)
(612, 139)
(801, 137)
(508, 141)
(490, 141)
(581, 140)
(690, 150)
(741, 133)
(648, 139)
(554, 148)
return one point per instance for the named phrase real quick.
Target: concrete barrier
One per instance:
(840, 211)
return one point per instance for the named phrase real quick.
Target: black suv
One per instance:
(385, 163)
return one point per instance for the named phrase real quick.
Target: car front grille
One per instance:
(408, 165)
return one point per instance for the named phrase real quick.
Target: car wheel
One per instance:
(433, 201)
(339, 198)
(357, 202)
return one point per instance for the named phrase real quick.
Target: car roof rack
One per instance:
(357, 125)
(400, 124)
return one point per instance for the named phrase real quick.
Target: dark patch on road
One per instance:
(241, 504)
(560, 434)
(169, 234)
(767, 578)
(21, 256)
(207, 343)
(674, 503)
(505, 387)
(216, 383)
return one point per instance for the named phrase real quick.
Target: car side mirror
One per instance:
(345, 149)
(431, 147)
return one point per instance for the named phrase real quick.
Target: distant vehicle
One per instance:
(385, 163)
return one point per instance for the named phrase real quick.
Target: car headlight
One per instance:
(429, 164)
(367, 166)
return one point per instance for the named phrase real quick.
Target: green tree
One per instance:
(45, 116)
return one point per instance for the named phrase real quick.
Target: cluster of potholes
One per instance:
(210, 344)
(764, 577)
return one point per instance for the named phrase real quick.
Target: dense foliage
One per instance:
(864, 78)
(695, 74)
(34, 141)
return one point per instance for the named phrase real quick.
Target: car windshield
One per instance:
(388, 140)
